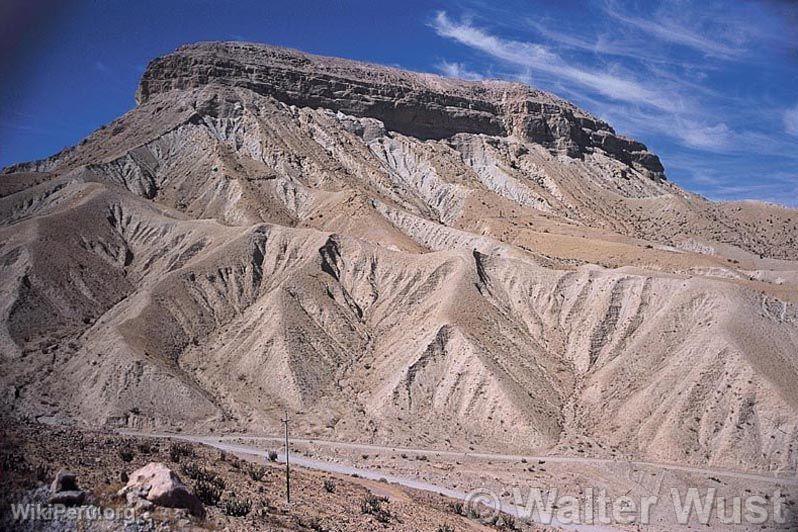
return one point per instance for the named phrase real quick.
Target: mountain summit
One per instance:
(398, 258)
(418, 105)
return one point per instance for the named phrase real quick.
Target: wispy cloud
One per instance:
(458, 70)
(605, 44)
(541, 59)
(670, 30)
(703, 136)
(791, 120)
(697, 80)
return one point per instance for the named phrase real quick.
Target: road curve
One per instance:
(785, 479)
(227, 443)
(222, 443)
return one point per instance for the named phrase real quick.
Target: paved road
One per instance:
(227, 443)
(224, 444)
(782, 478)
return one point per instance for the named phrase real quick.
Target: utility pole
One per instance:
(285, 421)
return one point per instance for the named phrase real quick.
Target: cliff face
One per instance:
(424, 106)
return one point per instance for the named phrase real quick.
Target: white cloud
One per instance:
(458, 70)
(791, 120)
(604, 44)
(664, 95)
(541, 59)
(716, 137)
(667, 28)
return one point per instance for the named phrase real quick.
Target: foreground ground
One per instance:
(503, 478)
(32, 453)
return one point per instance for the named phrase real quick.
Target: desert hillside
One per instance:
(395, 258)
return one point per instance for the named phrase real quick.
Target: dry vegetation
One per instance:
(237, 494)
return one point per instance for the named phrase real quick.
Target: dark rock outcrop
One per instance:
(421, 105)
(64, 490)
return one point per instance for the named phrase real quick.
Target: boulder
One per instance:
(64, 490)
(68, 498)
(161, 486)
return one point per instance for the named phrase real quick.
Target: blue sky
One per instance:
(712, 87)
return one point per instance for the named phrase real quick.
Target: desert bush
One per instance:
(208, 492)
(272, 456)
(329, 485)
(446, 527)
(508, 522)
(237, 507)
(179, 450)
(144, 447)
(457, 507)
(264, 509)
(372, 505)
(192, 470)
(195, 472)
(126, 454)
(257, 473)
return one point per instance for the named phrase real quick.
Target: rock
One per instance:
(64, 481)
(64, 490)
(419, 105)
(161, 486)
(68, 498)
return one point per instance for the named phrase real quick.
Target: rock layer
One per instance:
(418, 105)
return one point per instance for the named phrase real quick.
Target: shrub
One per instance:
(265, 506)
(329, 485)
(208, 492)
(508, 522)
(198, 473)
(372, 505)
(257, 473)
(178, 450)
(237, 507)
(126, 454)
(192, 470)
(446, 527)
(272, 456)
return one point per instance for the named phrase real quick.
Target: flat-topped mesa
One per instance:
(422, 105)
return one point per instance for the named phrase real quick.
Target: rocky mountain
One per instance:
(399, 258)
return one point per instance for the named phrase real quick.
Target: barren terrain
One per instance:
(396, 259)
